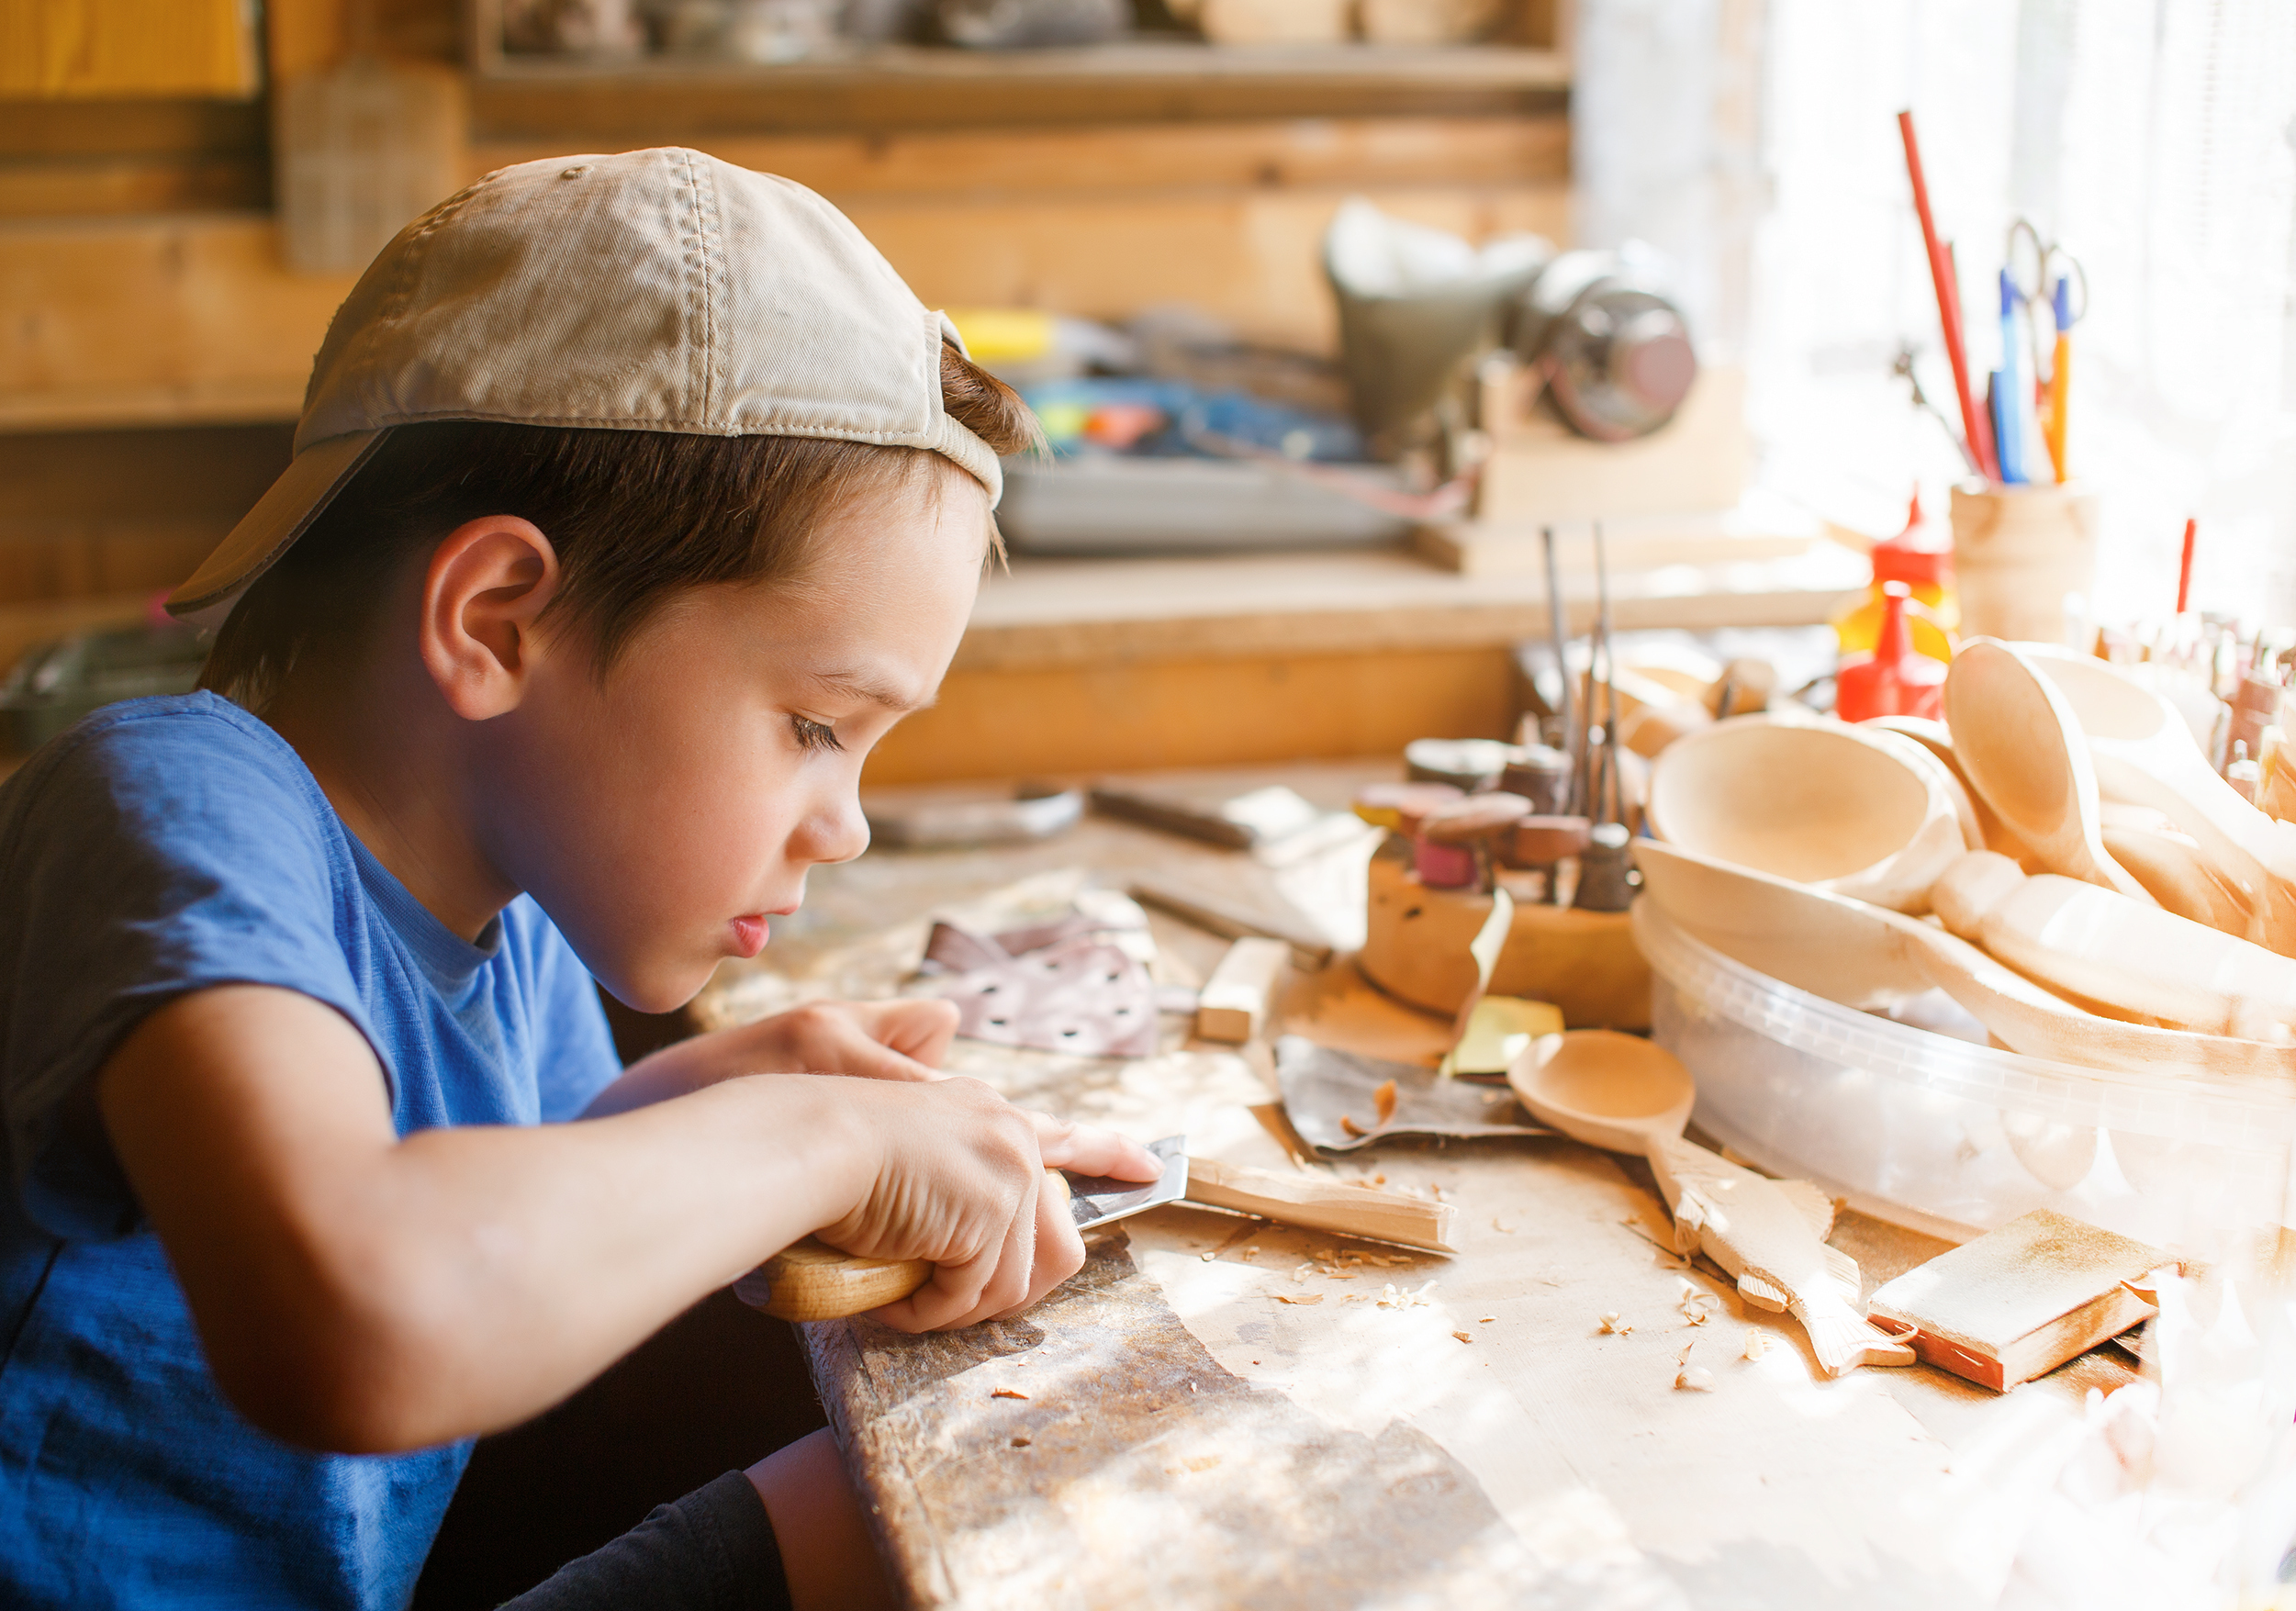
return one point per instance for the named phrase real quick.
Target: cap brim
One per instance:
(269, 530)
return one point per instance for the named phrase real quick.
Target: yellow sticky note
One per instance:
(1499, 1029)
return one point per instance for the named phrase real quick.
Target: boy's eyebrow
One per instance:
(860, 685)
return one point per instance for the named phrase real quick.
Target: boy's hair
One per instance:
(636, 516)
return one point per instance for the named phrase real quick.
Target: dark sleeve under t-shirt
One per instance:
(712, 1550)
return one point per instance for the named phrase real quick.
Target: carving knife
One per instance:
(811, 1280)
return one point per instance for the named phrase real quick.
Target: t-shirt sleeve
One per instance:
(143, 859)
(574, 1054)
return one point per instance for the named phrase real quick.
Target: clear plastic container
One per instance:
(1932, 1129)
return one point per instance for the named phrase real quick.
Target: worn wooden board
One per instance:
(1132, 1467)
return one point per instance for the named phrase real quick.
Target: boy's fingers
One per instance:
(995, 1283)
(918, 1027)
(1059, 1248)
(1088, 1151)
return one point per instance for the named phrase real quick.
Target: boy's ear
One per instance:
(486, 584)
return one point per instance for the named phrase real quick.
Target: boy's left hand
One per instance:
(904, 1038)
(900, 1039)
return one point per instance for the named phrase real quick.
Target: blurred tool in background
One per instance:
(1613, 349)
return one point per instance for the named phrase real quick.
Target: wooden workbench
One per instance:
(1220, 1412)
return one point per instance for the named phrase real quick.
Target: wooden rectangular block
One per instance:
(1234, 1003)
(2019, 1300)
(1541, 470)
(1322, 1204)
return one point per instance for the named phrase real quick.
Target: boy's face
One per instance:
(663, 815)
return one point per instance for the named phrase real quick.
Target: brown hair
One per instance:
(709, 509)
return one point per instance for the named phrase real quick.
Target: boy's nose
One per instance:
(837, 830)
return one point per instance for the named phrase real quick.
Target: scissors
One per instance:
(2034, 266)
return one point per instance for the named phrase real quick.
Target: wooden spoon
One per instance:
(1865, 955)
(1819, 802)
(2022, 748)
(2118, 957)
(2142, 751)
(1991, 833)
(1623, 1094)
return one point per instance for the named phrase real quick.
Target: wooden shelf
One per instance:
(1048, 615)
(908, 86)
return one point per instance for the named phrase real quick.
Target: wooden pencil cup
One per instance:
(2025, 559)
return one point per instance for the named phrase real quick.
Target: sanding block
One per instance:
(2018, 1302)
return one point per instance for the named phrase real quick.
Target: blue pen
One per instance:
(2008, 431)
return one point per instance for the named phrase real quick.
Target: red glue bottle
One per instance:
(1892, 680)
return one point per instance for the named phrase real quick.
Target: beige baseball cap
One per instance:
(655, 290)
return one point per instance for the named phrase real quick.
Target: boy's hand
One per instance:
(961, 1183)
(904, 1038)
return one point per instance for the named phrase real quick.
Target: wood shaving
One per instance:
(1463, 1336)
(1694, 1379)
(1694, 1303)
(1486, 1320)
(1351, 1127)
(1383, 1100)
(1310, 1298)
(1757, 1344)
(1389, 1298)
(1355, 1297)
(1008, 1392)
(1020, 1443)
(1611, 1326)
(1501, 1227)
(1299, 1274)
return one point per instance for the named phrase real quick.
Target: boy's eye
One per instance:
(814, 735)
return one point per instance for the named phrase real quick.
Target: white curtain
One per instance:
(2156, 139)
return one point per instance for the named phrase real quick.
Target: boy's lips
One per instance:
(750, 934)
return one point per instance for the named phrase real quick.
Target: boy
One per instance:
(634, 499)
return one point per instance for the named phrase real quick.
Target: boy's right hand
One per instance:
(960, 1181)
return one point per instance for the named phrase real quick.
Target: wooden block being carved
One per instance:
(1234, 1003)
(1322, 1204)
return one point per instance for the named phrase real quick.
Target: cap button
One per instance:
(574, 173)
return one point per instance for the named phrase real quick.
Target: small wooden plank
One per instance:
(1222, 917)
(1322, 1203)
(1233, 1005)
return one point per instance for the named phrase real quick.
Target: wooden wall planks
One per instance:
(155, 321)
(1253, 154)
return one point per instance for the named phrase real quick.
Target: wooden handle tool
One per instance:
(811, 1280)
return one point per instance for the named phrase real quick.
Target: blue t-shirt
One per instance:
(161, 846)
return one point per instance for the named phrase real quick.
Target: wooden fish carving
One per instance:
(1771, 1235)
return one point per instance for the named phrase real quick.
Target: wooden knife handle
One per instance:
(811, 1280)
